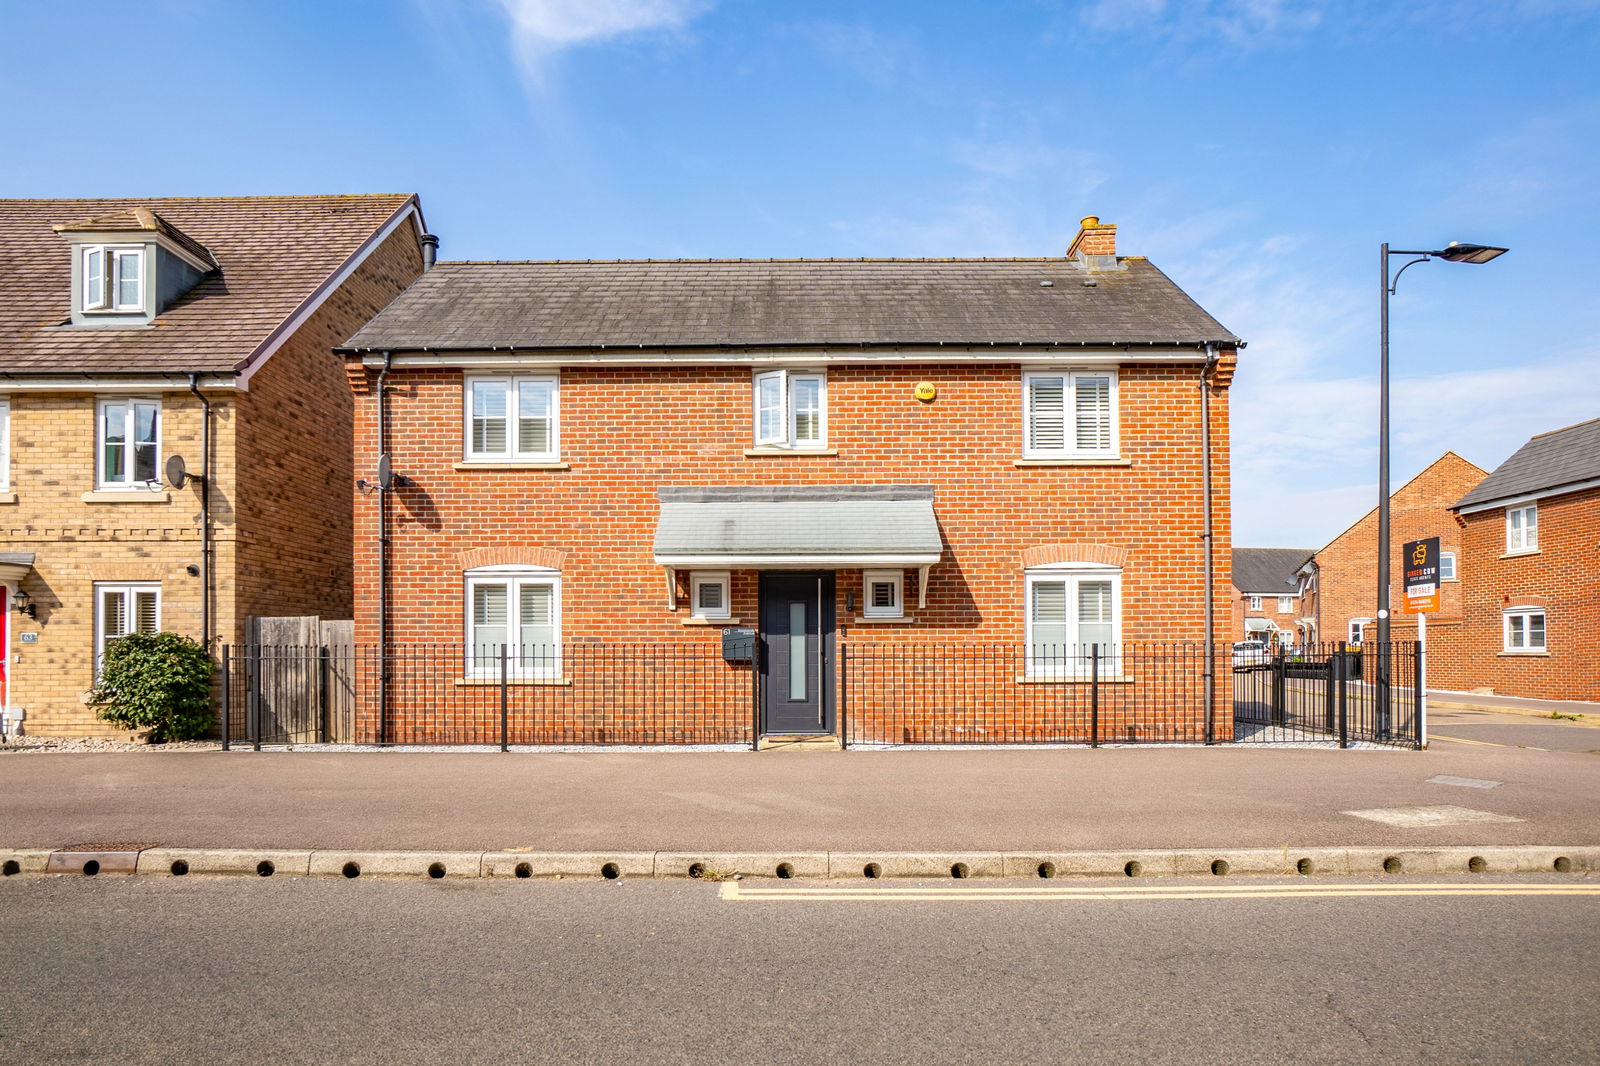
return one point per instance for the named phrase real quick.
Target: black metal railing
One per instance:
(888, 694)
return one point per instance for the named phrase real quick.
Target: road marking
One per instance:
(1459, 740)
(1420, 817)
(735, 892)
(1463, 782)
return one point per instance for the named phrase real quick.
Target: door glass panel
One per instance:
(797, 650)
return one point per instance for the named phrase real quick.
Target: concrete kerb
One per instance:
(1316, 861)
(183, 861)
(432, 864)
(586, 864)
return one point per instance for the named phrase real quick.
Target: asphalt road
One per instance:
(1517, 731)
(147, 970)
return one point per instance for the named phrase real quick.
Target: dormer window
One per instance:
(113, 278)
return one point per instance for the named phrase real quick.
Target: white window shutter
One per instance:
(1047, 398)
(145, 617)
(1049, 617)
(489, 416)
(534, 416)
(113, 615)
(1092, 409)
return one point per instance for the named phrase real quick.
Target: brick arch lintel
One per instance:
(473, 558)
(1075, 552)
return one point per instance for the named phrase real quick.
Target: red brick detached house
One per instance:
(1530, 585)
(601, 462)
(1266, 596)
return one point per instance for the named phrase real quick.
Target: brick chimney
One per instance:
(1094, 238)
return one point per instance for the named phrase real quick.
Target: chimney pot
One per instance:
(430, 250)
(1095, 239)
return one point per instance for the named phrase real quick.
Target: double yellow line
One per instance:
(738, 893)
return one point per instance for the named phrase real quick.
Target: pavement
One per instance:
(1464, 791)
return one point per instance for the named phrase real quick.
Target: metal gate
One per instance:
(1353, 694)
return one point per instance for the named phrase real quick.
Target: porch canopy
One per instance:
(795, 527)
(14, 566)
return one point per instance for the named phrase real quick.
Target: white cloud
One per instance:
(871, 54)
(1241, 23)
(550, 25)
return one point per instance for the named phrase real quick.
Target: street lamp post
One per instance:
(1454, 252)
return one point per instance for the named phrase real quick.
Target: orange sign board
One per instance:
(1420, 563)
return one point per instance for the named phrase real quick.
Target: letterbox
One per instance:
(738, 644)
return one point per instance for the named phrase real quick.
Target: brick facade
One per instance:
(1288, 628)
(1561, 577)
(280, 471)
(625, 431)
(1345, 587)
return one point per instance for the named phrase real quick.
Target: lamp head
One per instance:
(1458, 252)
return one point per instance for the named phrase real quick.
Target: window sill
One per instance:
(1072, 462)
(1076, 679)
(1519, 554)
(878, 619)
(1523, 654)
(469, 465)
(764, 453)
(125, 496)
(7, 497)
(692, 621)
(495, 681)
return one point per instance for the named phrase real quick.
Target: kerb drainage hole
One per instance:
(351, 870)
(1220, 867)
(436, 870)
(1303, 867)
(958, 870)
(266, 868)
(1133, 868)
(179, 867)
(610, 871)
(785, 870)
(91, 867)
(1047, 869)
(872, 869)
(524, 869)
(1393, 865)
(12, 868)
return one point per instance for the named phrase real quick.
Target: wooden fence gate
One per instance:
(298, 679)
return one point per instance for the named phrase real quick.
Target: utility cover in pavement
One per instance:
(1426, 817)
(1463, 782)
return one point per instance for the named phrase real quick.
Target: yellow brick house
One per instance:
(175, 432)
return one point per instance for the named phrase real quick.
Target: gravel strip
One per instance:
(26, 745)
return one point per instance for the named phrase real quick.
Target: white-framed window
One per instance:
(1522, 528)
(709, 594)
(790, 409)
(1285, 604)
(513, 419)
(5, 442)
(1358, 629)
(883, 593)
(128, 444)
(124, 608)
(1255, 603)
(1070, 609)
(1524, 628)
(113, 278)
(1069, 414)
(517, 608)
(1447, 566)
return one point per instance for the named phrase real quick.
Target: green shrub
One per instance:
(155, 681)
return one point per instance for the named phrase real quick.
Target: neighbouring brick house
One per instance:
(931, 453)
(1339, 585)
(1530, 575)
(133, 332)
(1266, 595)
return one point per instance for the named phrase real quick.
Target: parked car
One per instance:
(1250, 653)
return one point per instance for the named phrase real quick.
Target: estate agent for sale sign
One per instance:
(1422, 575)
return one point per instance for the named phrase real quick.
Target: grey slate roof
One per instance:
(783, 302)
(798, 520)
(1268, 571)
(1549, 461)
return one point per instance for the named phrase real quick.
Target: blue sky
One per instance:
(1256, 150)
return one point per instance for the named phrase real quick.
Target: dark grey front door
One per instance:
(796, 652)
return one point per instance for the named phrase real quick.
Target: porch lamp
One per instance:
(1454, 252)
(24, 603)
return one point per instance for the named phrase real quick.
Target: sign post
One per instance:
(1421, 569)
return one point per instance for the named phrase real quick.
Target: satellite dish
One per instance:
(385, 472)
(177, 472)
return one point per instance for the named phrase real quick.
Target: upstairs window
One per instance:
(1285, 604)
(113, 278)
(791, 409)
(1070, 415)
(129, 444)
(1255, 603)
(1447, 566)
(1522, 529)
(513, 419)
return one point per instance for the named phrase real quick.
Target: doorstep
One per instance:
(799, 742)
